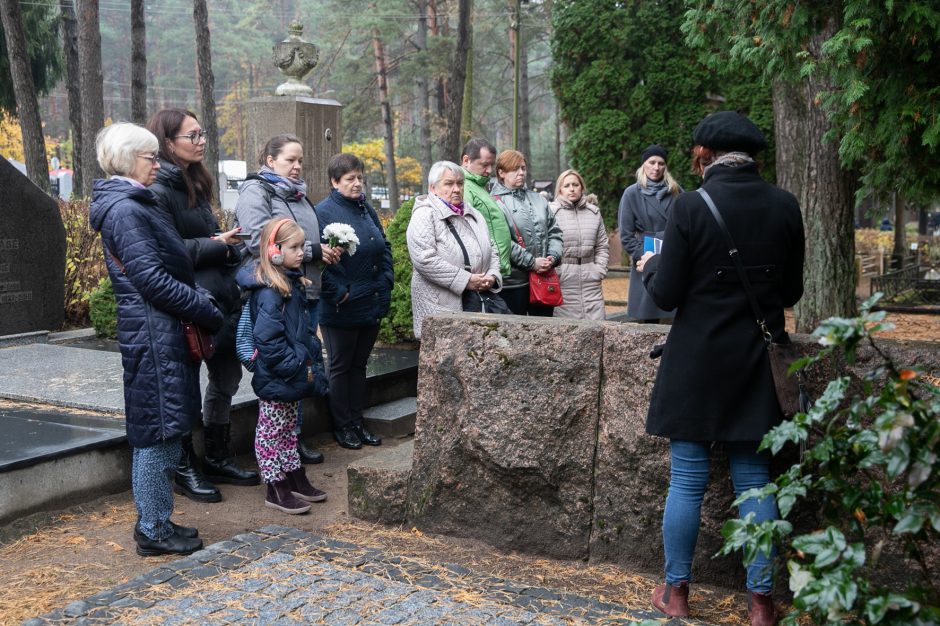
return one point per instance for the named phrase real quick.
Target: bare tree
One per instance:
(466, 113)
(91, 89)
(456, 84)
(24, 90)
(73, 80)
(138, 63)
(381, 71)
(206, 85)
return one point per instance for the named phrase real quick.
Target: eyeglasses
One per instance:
(193, 137)
(153, 158)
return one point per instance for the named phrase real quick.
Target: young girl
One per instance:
(288, 365)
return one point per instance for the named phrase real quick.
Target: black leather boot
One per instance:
(365, 436)
(189, 482)
(308, 456)
(219, 466)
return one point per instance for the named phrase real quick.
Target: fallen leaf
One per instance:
(116, 546)
(75, 540)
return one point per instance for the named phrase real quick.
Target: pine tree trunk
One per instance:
(24, 90)
(456, 83)
(809, 167)
(92, 96)
(138, 63)
(391, 179)
(899, 251)
(424, 99)
(73, 77)
(525, 145)
(466, 113)
(206, 81)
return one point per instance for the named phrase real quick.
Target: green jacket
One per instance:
(474, 192)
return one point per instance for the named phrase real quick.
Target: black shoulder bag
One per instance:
(791, 391)
(477, 301)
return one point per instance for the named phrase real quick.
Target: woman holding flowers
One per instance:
(356, 294)
(278, 191)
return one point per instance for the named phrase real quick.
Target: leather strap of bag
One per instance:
(463, 248)
(736, 258)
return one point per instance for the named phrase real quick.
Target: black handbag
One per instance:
(791, 390)
(478, 301)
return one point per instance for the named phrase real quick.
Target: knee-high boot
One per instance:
(219, 465)
(189, 481)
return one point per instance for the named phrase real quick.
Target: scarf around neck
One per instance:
(295, 188)
(456, 208)
(731, 159)
(658, 188)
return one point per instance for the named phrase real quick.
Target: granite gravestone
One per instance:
(32, 256)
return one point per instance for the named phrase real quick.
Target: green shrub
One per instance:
(103, 309)
(84, 262)
(870, 472)
(397, 327)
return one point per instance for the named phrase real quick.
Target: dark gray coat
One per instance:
(714, 381)
(640, 215)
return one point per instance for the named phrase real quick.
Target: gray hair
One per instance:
(118, 145)
(437, 170)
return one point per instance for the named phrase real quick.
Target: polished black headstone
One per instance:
(32, 256)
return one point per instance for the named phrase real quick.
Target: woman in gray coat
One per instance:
(537, 243)
(278, 191)
(644, 209)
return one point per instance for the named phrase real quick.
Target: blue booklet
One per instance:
(652, 244)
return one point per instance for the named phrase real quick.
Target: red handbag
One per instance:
(199, 342)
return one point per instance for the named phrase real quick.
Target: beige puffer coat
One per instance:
(584, 260)
(438, 279)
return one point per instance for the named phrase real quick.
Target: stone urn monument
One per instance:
(295, 58)
(295, 109)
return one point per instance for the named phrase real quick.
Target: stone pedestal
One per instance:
(318, 123)
(32, 256)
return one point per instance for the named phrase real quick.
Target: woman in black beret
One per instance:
(714, 383)
(644, 207)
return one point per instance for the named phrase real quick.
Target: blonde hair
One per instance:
(267, 272)
(671, 183)
(566, 174)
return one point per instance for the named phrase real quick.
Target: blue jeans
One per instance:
(691, 464)
(313, 310)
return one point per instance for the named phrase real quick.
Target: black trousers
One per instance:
(348, 350)
(517, 299)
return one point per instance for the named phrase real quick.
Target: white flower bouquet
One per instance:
(341, 235)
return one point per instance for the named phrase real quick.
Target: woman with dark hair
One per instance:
(714, 383)
(644, 208)
(356, 295)
(155, 291)
(537, 243)
(185, 188)
(278, 190)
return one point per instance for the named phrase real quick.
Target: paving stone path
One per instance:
(284, 576)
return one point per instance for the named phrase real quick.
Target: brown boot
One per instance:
(301, 487)
(673, 600)
(280, 497)
(761, 609)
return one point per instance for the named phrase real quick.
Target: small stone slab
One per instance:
(32, 436)
(378, 484)
(393, 419)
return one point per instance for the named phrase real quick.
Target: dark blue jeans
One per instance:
(691, 465)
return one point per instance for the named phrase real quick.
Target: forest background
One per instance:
(846, 91)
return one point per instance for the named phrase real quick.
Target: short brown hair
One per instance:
(510, 161)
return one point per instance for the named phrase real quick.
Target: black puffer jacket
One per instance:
(215, 262)
(154, 290)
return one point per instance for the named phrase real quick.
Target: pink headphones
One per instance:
(274, 249)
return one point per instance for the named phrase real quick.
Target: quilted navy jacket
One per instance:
(367, 276)
(154, 291)
(289, 355)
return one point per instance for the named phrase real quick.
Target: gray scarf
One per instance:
(655, 188)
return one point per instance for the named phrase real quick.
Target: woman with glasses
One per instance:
(186, 189)
(155, 289)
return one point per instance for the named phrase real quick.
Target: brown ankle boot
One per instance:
(280, 497)
(301, 487)
(673, 600)
(761, 609)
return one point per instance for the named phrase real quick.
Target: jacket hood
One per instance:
(106, 192)
(440, 210)
(480, 180)
(255, 179)
(247, 279)
(499, 189)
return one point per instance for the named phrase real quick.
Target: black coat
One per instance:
(215, 262)
(714, 381)
(154, 291)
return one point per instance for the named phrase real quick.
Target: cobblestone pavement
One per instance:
(284, 576)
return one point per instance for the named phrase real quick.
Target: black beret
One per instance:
(729, 131)
(653, 150)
